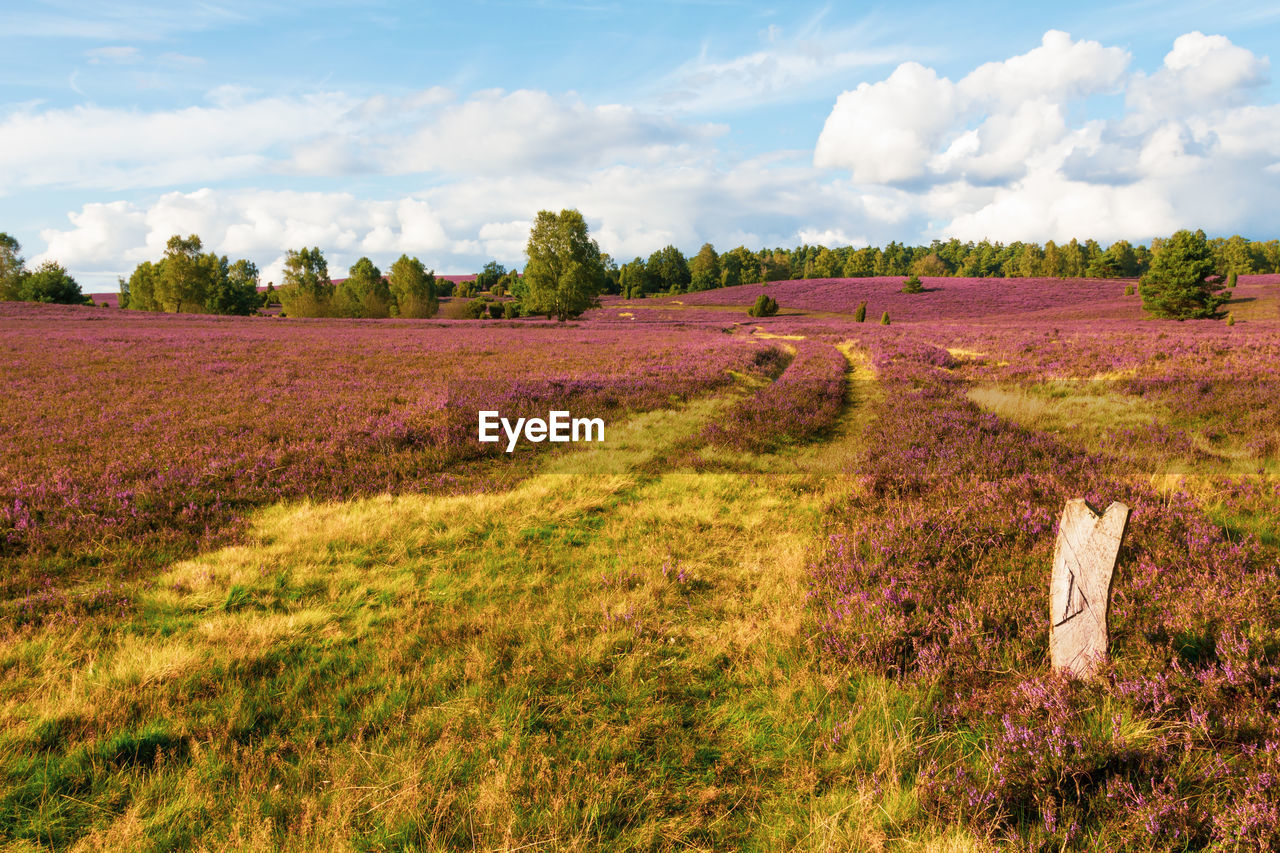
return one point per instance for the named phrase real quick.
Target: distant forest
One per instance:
(187, 279)
(667, 271)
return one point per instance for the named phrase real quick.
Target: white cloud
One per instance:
(1200, 73)
(632, 210)
(1006, 154)
(886, 132)
(784, 70)
(1059, 69)
(123, 55)
(914, 122)
(241, 135)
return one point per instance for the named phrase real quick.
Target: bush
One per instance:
(510, 310)
(913, 285)
(496, 310)
(884, 319)
(1128, 290)
(860, 316)
(766, 306)
(475, 309)
(1231, 318)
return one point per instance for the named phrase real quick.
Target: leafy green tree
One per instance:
(413, 288)
(564, 274)
(12, 267)
(633, 279)
(490, 275)
(306, 289)
(1183, 281)
(364, 293)
(775, 267)
(734, 263)
(668, 270)
(704, 270)
(235, 288)
(183, 282)
(50, 282)
(930, 264)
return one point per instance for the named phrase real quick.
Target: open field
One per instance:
(263, 590)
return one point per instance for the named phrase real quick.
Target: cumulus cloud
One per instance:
(632, 210)
(1004, 153)
(1200, 73)
(913, 125)
(887, 131)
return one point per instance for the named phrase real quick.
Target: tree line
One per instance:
(48, 282)
(668, 271)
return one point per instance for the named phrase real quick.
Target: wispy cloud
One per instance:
(123, 55)
(787, 66)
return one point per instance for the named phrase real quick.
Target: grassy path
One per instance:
(613, 654)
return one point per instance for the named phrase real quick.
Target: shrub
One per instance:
(913, 285)
(860, 316)
(475, 309)
(1128, 290)
(884, 319)
(510, 310)
(1231, 318)
(1231, 279)
(766, 306)
(495, 310)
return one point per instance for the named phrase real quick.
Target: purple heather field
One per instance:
(127, 439)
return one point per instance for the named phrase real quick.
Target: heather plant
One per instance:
(209, 432)
(1174, 745)
(799, 405)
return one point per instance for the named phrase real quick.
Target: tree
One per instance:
(183, 281)
(235, 288)
(913, 285)
(775, 267)
(51, 283)
(668, 270)
(306, 289)
(490, 275)
(564, 274)
(413, 288)
(363, 293)
(1183, 281)
(704, 271)
(11, 267)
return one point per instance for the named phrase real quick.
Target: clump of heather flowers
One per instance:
(802, 403)
(939, 574)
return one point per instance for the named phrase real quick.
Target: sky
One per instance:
(438, 130)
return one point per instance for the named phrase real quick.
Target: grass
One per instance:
(613, 653)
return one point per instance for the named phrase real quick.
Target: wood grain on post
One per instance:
(1084, 561)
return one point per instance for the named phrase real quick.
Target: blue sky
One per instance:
(376, 128)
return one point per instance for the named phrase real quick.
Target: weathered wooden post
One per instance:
(1084, 560)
